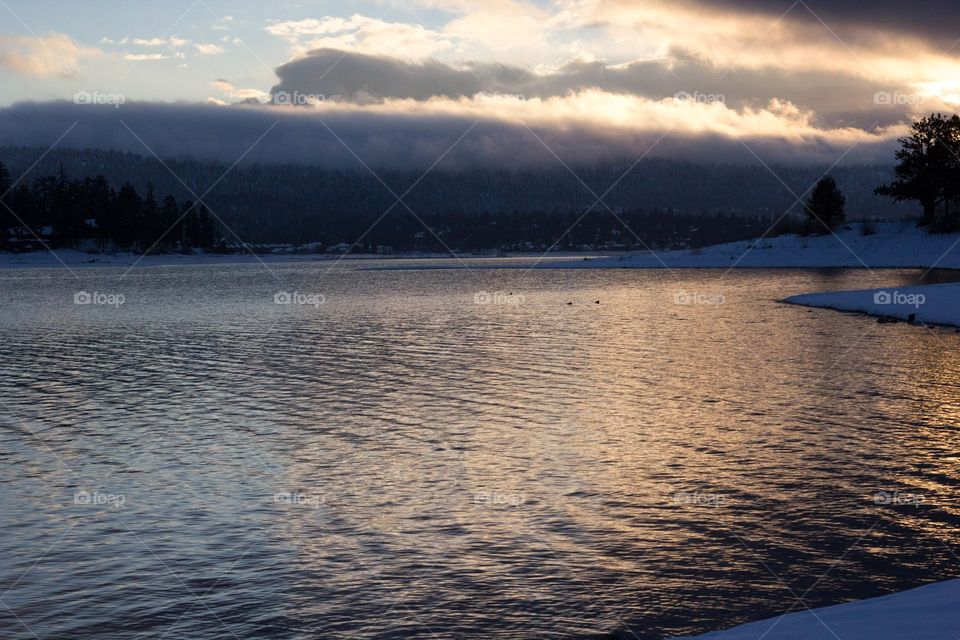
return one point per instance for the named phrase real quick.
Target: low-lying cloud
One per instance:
(465, 133)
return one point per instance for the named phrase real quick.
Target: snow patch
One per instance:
(931, 304)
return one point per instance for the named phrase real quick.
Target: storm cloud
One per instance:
(930, 19)
(838, 99)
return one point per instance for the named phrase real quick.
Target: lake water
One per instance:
(396, 454)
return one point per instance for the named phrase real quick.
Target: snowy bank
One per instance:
(931, 304)
(928, 613)
(894, 245)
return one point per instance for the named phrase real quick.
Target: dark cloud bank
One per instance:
(301, 136)
(404, 140)
(933, 20)
(838, 99)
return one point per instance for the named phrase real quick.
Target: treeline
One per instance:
(661, 204)
(299, 204)
(531, 231)
(89, 213)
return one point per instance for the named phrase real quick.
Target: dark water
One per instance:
(401, 461)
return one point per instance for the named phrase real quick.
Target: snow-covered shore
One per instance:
(930, 612)
(930, 304)
(894, 245)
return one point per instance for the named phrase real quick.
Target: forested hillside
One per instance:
(666, 202)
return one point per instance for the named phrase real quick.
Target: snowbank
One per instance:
(928, 613)
(894, 245)
(932, 304)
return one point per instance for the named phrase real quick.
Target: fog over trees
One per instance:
(108, 200)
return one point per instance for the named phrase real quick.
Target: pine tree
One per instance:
(927, 158)
(826, 206)
(149, 228)
(7, 220)
(169, 216)
(207, 229)
(129, 207)
(4, 181)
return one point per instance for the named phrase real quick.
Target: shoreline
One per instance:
(82, 260)
(893, 245)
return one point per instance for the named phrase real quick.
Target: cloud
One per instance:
(837, 100)
(364, 78)
(143, 57)
(361, 34)
(735, 47)
(583, 129)
(739, 35)
(209, 49)
(222, 24)
(52, 55)
(172, 41)
(228, 88)
(932, 20)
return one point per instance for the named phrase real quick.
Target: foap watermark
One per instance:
(101, 99)
(499, 499)
(295, 297)
(897, 498)
(698, 298)
(498, 298)
(97, 499)
(898, 98)
(699, 499)
(314, 500)
(99, 298)
(297, 99)
(896, 298)
(700, 98)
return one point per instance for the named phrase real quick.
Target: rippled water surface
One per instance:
(400, 461)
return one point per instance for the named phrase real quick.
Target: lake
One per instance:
(328, 451)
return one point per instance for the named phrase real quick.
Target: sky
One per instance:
(501, 81)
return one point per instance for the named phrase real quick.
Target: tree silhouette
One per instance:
(129, 212)
(929, 164)
(4, 180)
(826, 206)
(6, 220)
